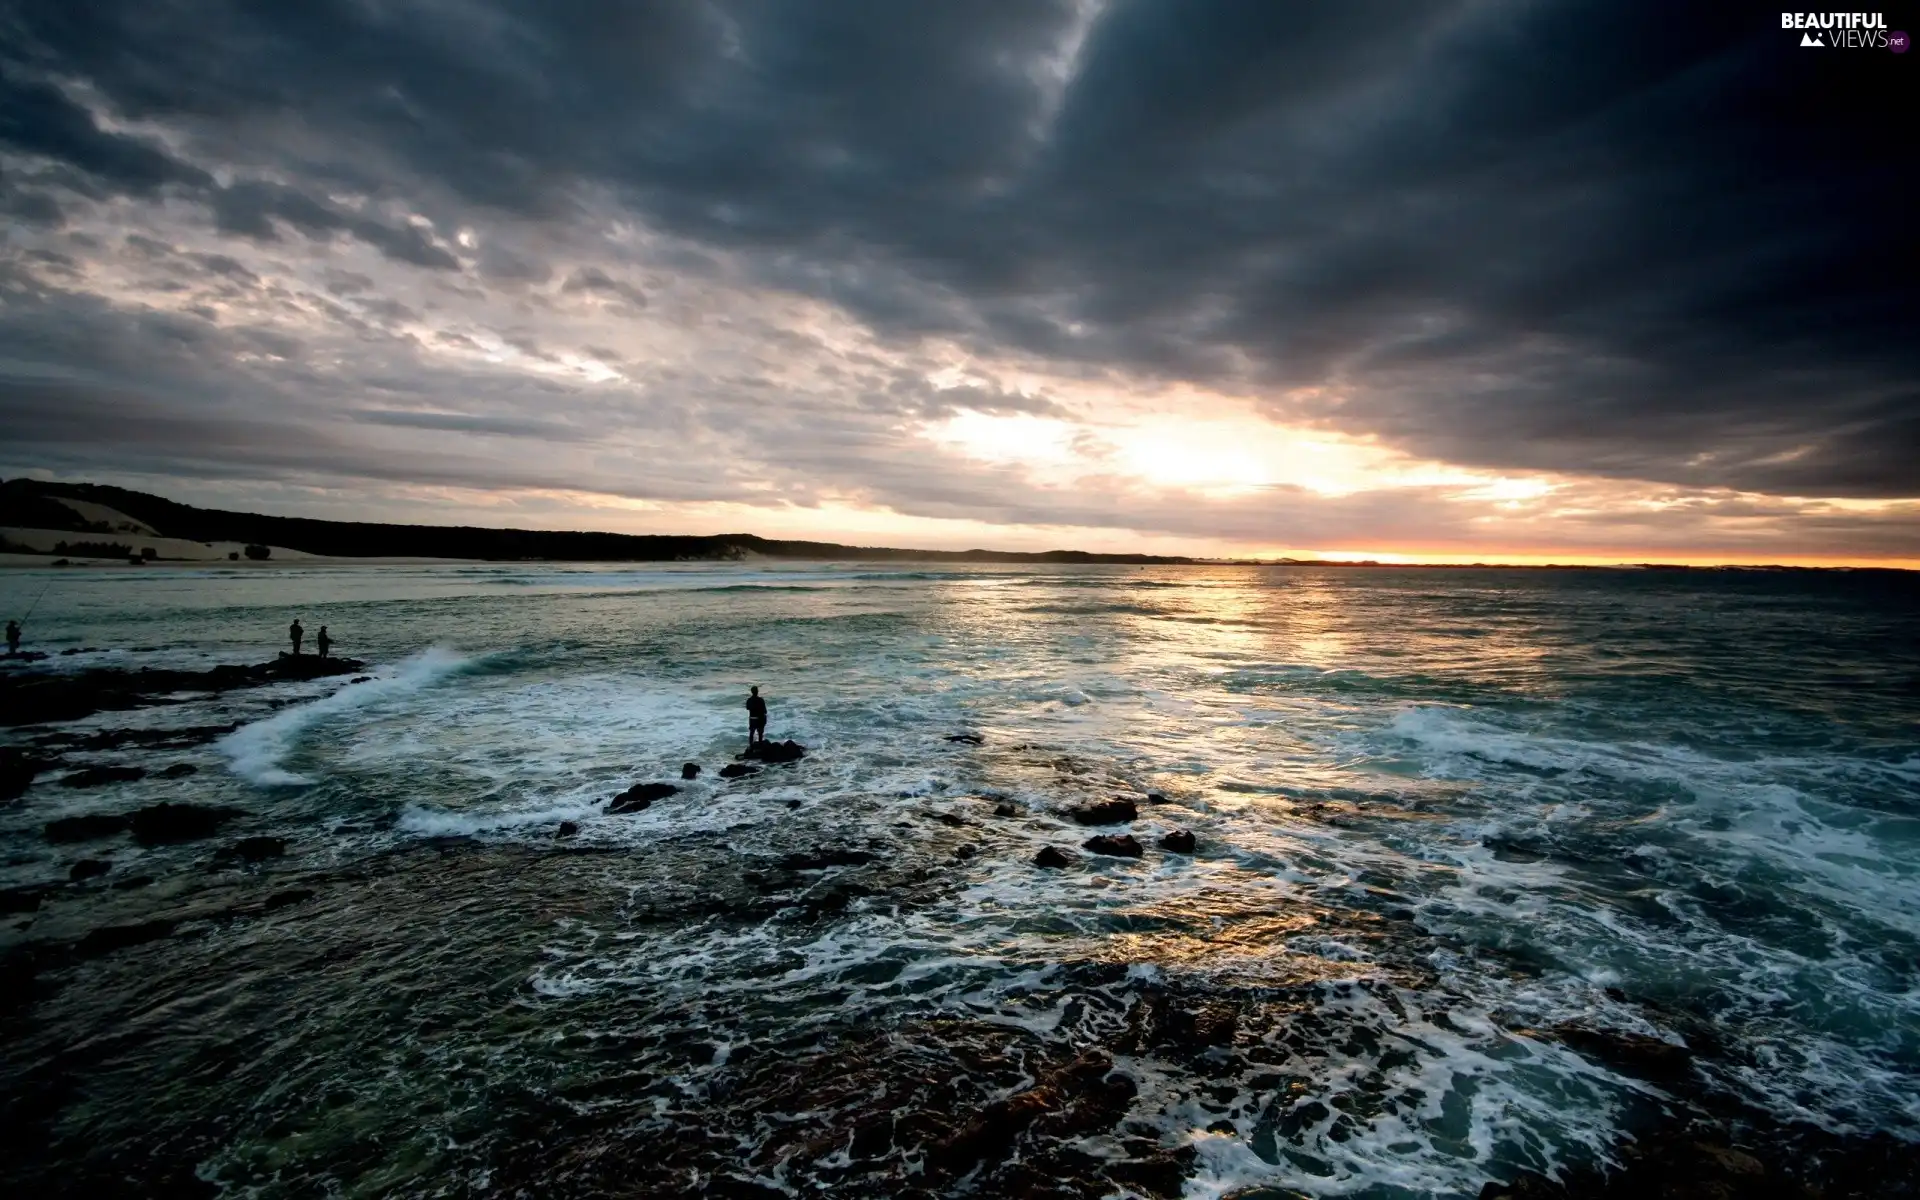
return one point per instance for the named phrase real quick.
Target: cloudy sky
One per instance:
(1460, 278)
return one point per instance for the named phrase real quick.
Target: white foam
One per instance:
(257, 751)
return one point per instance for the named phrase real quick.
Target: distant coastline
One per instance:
(86, 523)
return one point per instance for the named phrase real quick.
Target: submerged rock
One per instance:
(97, 776)
(1006, 809)
(176, 771)
(738, 771)
(567, 829)
(640, 796)
(1628, 1053)
(1116, 845)
(1179, 841)
(825, 856)
(971, 739)
(1117, 811)
(689, 770)
(88, 868)
(1051, 856)
(88, 828)
(776, 752)
(256, 849)
(164, 824)
(17, 770)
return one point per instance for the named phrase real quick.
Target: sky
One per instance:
(1458, 280)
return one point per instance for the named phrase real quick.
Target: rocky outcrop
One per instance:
(640, 797)
(1085, 1096)
(40, 697)
(690, 770)
(776, 752)
(738, 771)
(1051, 856)
(89, 828)
(567, 829)
(1114, 845)
(255, 849)
(1179, 841)
(88, 868)
(1117, 811)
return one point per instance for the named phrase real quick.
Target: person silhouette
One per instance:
(13, 637)
(756, 717)
(322, 642)
(294, 634)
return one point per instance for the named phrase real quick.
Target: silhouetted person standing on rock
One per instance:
(756, 717)
(295, 633)
(322, 642)
(13, 637)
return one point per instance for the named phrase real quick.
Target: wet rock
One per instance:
(792, 804)
(776, 752)
(1006, 809)
(738, 771)
(964, 852)
(116, 739)
(109, 938)
(1051, 856)
(282, 899)
(87, 829)
(176, 771)
(99, 776)
(1180, 841)
(40, 697)
(164, 824)
(1117, 811)
(952, 820)
(567, 829)
(641, 796)
(256, 849)
(20, 899)
(1195, 1026)
(88, 868)
(361, 679)
(1082, 1097)
(17, 770)
(1121, 845)
(971, 739)
(131, 882)
(689, 770)
(1157, 798)
(1629, 1053)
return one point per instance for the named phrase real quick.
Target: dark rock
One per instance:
(88, 868)
(163, 824)
(1081, 1098)
(1006, 809)
(640, 796)
(1630, 1053)
(17, 770)
(131, 882)
(738, 771)
(40, 697)
(109, 938)
(793, 804)
(1117, 845)
(689, 770)
(176, 771)
(776, 752)
(971, 739)
(1157, 798)
(951, 819)
(1050, 856)
(1179, 841)
(361, 679)
(1117, 811)
(823, 857)
(20, 899)
(965, 851)
(567, 829)
(256, 849)
(283, 899)
(1195, 1027)
(87, 829)
(115, 739)
(97, 776)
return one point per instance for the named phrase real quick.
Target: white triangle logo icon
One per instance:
(1807, 39)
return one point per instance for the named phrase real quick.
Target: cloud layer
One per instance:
(762, 255)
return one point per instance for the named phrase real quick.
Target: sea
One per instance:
(1493, 869)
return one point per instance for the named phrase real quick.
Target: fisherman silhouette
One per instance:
(295, 633)
(756, 717)
(13, 637)
(322, 641)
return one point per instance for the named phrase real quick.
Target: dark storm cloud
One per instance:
(1653, 242)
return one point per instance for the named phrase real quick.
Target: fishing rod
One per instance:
(36, 602)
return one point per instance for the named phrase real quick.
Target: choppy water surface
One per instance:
(1439, 814)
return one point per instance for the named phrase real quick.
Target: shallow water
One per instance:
(1438, 812)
